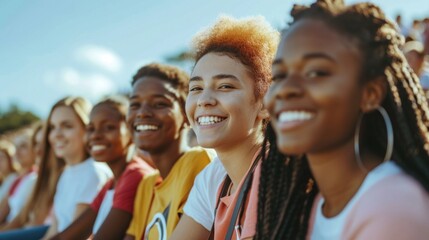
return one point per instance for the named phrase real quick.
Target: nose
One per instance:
(289, 88)
(206, 98)
(144, 111)
(95, 134)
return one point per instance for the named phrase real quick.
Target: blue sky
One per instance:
(50, 49)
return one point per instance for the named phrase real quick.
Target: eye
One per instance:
(134, 105)
(110, 127)
(317, 73)
(90, 128)
(278, 76)
(195, 88)
(160, 104)
(226, 86)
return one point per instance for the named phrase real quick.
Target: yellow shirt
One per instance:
(159, 203)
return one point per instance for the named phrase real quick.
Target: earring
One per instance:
(389, 131)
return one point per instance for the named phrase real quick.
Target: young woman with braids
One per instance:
(349, 139)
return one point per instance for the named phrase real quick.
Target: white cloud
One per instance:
(72, 82)
(100, 57)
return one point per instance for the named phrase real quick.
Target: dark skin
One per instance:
(106, 130)
(154, 103)
(308, 71)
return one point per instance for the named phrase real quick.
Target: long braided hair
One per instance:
(287, 189)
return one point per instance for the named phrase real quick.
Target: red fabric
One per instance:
(15, 185)
(18, 180)
(126, 187)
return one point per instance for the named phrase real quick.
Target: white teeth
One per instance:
(98, 147)
(208, 120)
(146, 128)
(294, 116)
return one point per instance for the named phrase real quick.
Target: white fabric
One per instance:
(104, 210)
(331, 228)
(78, 184)
(21, 195)
(7, 183)
(202, 198)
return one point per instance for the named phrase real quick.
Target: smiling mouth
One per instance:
(209, 120)
(294, 116)
(96, 148)
(145, 127)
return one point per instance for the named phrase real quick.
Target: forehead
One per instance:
(105, 111)
(63, 113)
(213, 64)
(153, 86)
(312, 35)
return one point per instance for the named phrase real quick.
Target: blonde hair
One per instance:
(40, 203)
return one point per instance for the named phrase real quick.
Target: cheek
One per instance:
(190, 109)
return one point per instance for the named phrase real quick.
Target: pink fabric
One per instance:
(396, 207)
(226, 208)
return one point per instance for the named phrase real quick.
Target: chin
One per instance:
(290, 148)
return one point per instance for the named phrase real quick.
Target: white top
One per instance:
(201, 202)
(78, 184)
(7, 183)
(21, 195)
(332, 228)
(104, 210)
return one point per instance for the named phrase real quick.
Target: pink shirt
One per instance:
(226, 208)
(396, 207)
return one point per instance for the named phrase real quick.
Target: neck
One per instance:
(338, 175)
(118, 166)
(238, 158)
(165, 158)
(75, 159)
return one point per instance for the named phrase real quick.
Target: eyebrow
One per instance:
(309, 56)
(216, 77)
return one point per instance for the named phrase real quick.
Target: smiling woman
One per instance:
(349, 131)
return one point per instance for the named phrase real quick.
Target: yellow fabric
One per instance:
(159, 204)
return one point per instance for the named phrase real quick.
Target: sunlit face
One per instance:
(24, 152)
(107, 134)
(314, 101)
(66, 133)
(155, 115)
(221, 105)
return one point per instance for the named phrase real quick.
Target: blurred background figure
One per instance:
(415, 54)
(8, 171)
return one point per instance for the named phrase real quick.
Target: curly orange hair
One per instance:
(251, 40)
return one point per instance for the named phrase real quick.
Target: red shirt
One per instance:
(126, 188)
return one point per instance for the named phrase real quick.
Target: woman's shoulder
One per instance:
(395, 202)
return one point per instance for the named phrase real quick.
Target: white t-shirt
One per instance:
(7, 183)
(78, 184)
(201, 202)
(104, 210)
(332, 228)
(21, 195)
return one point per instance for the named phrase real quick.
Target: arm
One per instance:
(81, 228)
(52, 229)
(129, 237)
(4, 209)
(188, 228)
(115, 225)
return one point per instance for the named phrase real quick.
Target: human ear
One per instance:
(374, 92)
(263, 112)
